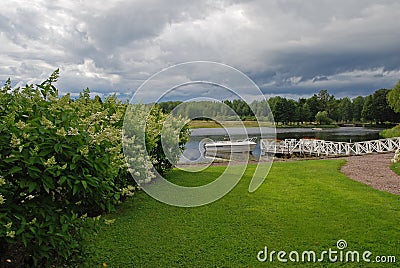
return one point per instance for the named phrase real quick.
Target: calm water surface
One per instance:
(195, 147)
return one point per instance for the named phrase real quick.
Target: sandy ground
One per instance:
(373, 170)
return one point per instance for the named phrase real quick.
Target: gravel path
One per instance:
(373, 170)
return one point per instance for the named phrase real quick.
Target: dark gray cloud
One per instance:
(290, 48)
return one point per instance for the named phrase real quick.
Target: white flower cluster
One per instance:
(170, 138)
(396, 157)
(73, 132)
(139, 165)
(15, 142)
(137, 160)
(128, 190)
(116, 117)
(50, 162)
(84, 151)
(2, 182)
(46, 122)
(21, 125)
(61, 132)
(9, 232)
(110, 134)
(109, 222)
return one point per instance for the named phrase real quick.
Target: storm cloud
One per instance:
(289, 48)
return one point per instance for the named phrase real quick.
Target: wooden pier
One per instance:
(313, 147)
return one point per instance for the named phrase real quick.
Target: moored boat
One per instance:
(241, 146)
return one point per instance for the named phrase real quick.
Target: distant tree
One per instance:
(345, 110)
(241, 108)
(168, 106)
(367, 113)
(324, 97)
(272, 102)
(314, 105)
(382, 112)
(322, 118)
(303, 112)
(333, 109)
(228, 102)
(357, 106)
(393, 97)
(284, 110)
(376, 108)
(291, 110)
(261, 108)
(279, 110)
(321, 102)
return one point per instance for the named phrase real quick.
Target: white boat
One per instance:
(241, 146)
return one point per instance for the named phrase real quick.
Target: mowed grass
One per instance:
(396, 168)
(303, 205)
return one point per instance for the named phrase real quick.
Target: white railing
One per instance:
(328, 148)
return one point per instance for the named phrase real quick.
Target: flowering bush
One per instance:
(145, 152)
(396, 157)
(61, 161)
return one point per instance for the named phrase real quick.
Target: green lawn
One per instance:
(303, 205)
(396, 168)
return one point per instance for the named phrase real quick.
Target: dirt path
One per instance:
(373, 170)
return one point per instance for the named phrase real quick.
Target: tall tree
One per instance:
(358, 104)
(323, 101)
(333, 109)
(303, 112)
(284, 110)
(393, 97)
(314, 105)
(367, 113)
(324, 97)
(291, 106)
(382, 111)
(345, 110)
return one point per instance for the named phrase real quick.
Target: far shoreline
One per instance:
(212, 124)
(194, 124)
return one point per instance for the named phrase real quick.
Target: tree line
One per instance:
(323, 108)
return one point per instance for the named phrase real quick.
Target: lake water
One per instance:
(195, 147)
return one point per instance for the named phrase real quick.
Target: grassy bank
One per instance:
(212, 124)
(304, 205)
(396, 168)
(391, 132)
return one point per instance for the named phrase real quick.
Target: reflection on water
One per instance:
(239, 157)
(194, 151)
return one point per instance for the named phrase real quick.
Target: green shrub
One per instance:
(390, 133)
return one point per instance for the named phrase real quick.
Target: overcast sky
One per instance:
(289, 48)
